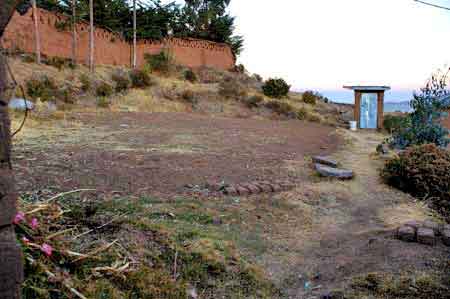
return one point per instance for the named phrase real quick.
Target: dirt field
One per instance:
(309, 240)
(158, 154)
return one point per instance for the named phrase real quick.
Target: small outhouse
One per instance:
(369, 106)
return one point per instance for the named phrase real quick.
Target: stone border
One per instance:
(426, 232)
(255, 187)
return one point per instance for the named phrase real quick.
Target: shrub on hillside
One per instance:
(276, 88)
(58, 62)
(86, 82)
(160, 62)
(232, 89)
(282, 108)
(66, 94)
(103, 102)
(103, 89)
(423, 171)
(140, 79)
(240, 68)
(122, 81)
(310, 97)
(254, 101)
(190, 76)
(41, 87)
(395, 123)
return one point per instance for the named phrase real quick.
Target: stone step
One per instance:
(338, 173)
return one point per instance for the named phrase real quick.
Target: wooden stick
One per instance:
(37, 36)
(74, 32)
(134, 35)
(91, 35)
(67, 193)
(94, 252)
(99, 227)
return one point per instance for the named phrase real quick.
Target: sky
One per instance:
(324, 44)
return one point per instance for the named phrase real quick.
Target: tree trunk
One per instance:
(134, 35)
(74, 32)
(91, 35)
(11, 269)
(37, 36)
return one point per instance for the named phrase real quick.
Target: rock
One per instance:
(276, 187)
(434, 226)
(213, 186)
(19, 104)
(406, 233)
(327, 171)
(426, 236)
(383, 149)
(325, 161)
(414, 224)
(251, 188)
(231, 191)
(446, 237)
(263, 187)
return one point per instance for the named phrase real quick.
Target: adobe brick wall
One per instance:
(110, 49)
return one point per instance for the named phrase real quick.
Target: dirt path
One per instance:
(350, 228)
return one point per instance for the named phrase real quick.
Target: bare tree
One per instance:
(37, 37)
(432, 4)
(11, 269)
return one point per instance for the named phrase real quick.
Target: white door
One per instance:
(369, 111)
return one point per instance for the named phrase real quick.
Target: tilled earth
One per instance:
(158, 154)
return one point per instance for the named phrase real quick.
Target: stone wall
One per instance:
(110, 48)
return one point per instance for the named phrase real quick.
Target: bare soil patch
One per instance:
(158, 154)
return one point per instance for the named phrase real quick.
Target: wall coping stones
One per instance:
(426, 236)
(406, 233)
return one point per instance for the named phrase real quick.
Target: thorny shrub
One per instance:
(424, 172)
(276, 88)
(122, 81)
(140, 79)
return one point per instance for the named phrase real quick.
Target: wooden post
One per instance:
(358, 108)
(74, 32)
(91, 35)
(134, 35)
(37, 38)
(11, 269)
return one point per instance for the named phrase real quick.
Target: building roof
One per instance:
(368, 88)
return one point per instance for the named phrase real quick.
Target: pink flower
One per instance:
(25, 240)
(20, 216)
(34, 223)
(47, 249)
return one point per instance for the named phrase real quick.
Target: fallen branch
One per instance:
(67, 193)
(94, 252)
(99, 227)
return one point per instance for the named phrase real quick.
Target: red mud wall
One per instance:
(110, 49)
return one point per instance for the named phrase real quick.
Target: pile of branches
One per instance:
(60, 254)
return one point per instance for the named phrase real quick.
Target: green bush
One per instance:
(160, 62)
(232, 89)
(41, 87)
(122, 81)
(190, 76)
(395, 123)
(103, 89)
(86, 83)
(140, 79)
(254, 101)
(424, 123)
(276, 88)
(310, 97)
(66, 94)
(282, 108)
(423, 171)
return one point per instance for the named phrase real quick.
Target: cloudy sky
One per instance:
(327, 43)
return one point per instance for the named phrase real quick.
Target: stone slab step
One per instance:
(338, 173)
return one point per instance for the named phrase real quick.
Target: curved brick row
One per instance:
(257, 187)
(424, 232)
